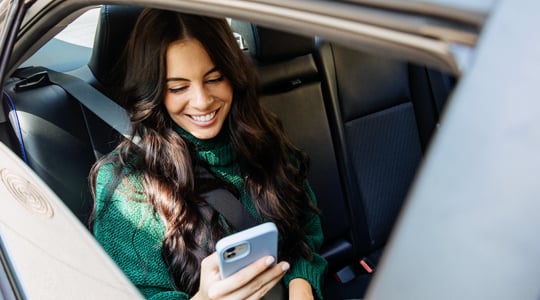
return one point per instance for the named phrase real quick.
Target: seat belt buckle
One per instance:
(367, 265)
(345, 275)
(350, 272)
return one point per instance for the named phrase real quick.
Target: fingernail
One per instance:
(269, 260)
(285, 266)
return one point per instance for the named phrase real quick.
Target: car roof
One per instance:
(435, 33)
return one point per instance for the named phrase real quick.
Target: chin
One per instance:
(205, 135)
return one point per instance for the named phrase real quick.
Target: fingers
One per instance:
(209, 276)
(247, 274)
(210, 265)
(257, 278)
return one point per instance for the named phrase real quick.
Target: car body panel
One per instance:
(48, 252)
(474, 12)
(468, 230)
(416, 37)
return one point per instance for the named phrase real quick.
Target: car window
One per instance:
(81, 31)
(74, 43)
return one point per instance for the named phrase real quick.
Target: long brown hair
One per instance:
(274, 170)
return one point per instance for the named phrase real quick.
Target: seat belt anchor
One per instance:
(36, 80)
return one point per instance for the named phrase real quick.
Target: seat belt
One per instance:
(221, 199)
(102, 106)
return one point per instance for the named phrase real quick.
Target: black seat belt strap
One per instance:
(221, 199)
(95, 101)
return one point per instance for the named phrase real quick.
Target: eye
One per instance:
(179, 89)
(214, 79)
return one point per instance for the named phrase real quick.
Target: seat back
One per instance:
(384, 112)
(114, 27)
(53, 138)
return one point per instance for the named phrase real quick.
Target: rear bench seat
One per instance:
(365, 131)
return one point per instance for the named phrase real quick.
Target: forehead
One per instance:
(187, 57)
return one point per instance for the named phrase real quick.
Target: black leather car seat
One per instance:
(383, 112)
(54, 140)
(112, 33)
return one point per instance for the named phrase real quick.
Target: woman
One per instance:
(192, 98)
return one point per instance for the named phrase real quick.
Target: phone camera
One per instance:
(230, 253)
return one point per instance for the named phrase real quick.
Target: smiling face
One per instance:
(197, 97)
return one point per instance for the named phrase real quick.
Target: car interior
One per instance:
(365, 120)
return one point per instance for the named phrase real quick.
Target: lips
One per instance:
(204, 118)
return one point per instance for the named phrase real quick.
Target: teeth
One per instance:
(204, 118)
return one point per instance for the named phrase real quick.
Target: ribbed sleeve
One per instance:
(131, 234)
(313, 271)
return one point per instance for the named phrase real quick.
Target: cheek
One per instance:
(173, 103)
(227, 93)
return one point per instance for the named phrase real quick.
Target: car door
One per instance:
(469, 229)
(45, 252)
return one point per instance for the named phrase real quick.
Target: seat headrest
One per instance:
(267, 45)
(114, 28)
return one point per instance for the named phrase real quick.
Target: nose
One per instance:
(201, 98)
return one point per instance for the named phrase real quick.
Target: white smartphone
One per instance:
(240, 249)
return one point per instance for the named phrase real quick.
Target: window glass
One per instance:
(71, 48)
(81, 31)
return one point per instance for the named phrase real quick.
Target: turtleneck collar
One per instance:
(217, 151)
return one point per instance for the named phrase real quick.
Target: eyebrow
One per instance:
(214, 69)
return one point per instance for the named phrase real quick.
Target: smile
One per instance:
(204, 118)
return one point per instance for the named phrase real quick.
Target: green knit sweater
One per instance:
(132, 234)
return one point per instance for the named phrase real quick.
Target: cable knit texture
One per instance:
(132, 234)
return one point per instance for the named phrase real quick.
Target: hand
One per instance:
(252, 282)
(300, 289)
